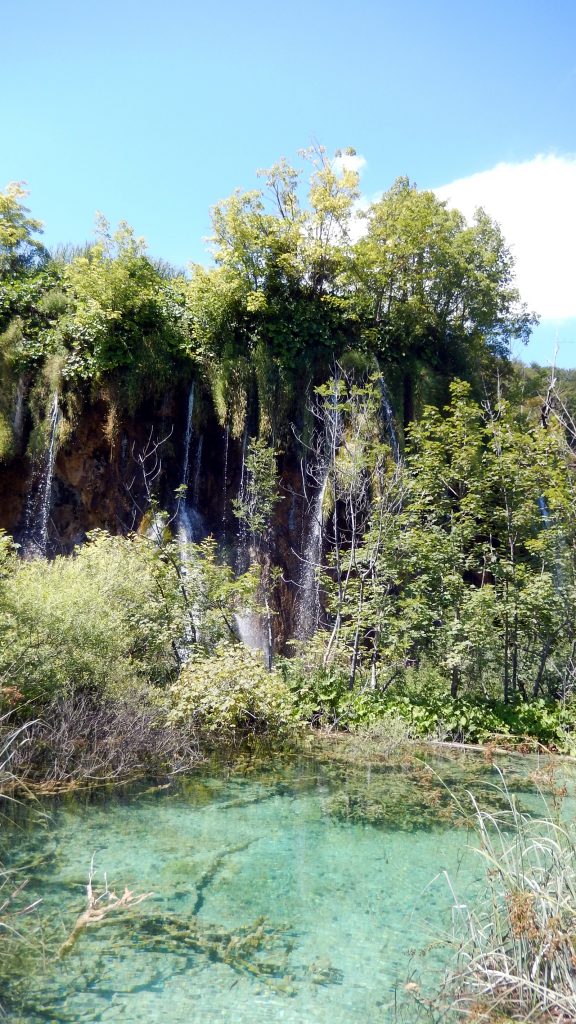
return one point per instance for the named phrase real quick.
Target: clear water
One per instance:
(345, 865)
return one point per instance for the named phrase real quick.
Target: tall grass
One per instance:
(13, 903)
(517, 958)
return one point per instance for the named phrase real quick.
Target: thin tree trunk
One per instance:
(541, 667)
(506, 670)
(356, 646)
(408, 387)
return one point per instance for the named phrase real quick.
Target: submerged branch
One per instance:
(99, 907)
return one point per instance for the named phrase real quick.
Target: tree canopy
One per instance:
(302, 275)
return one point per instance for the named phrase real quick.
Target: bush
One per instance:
(82, 741)
(231, 691)
(324, 698)
(423, 700)
(106, 619)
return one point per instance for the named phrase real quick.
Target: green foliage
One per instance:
(467, 557)
(255, 506)
(19, 249)
(289, 292)
(432, 286)
(124, 319)
(111, 618)
(231, 692)
(6, 437)
(211, 591)
(462, 557)
(324, 699)
(105, 619)
(423, 700)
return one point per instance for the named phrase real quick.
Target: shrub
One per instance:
(324, 698)
(106, 619)
(83, 741)
(231, 691)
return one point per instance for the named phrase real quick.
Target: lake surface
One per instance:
(292, 891)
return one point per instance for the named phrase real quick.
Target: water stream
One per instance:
(35, 535)
(253, 629)
(309, 596)
(189, 523)
(388, 419)
(18, 415)
(225, 480)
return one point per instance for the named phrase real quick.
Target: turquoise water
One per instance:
(298, 892)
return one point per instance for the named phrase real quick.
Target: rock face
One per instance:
(101, 481)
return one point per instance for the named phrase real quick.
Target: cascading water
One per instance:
(308, 614)
(188, 436)
(190, 526)
(253, 628)
(243, 550)
(388, 417)
(197, 470)
(309, 602)
(252, 631)
(225, 481)
(546, 519)
(189, 523)
(18, 417)
(544, 510)
(35, 537)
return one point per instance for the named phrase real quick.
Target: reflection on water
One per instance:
(301, 891)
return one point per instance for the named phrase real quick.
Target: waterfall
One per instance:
(308, 614)
(188, 436)
(545, 515)
(253, 631)
(197, 468)
(309, 602)
(242, 493)
(189, 523)
(190, 527)
(243, 552)
(388, 418)
(252, 626)
(225, 483)
(35, 536)
(544, 510)
(18, 418)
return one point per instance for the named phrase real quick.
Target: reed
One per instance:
(14, 906)
(517, 953)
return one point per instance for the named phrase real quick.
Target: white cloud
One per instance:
(535, 204)
(349, 162)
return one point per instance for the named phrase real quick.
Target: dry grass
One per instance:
(14, 906)
(82, 742)
(517, 958)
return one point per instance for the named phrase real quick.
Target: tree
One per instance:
(26, 279)
(271, 310)
(467, 558)
(432, 290)
(20, 250)
(125, 320)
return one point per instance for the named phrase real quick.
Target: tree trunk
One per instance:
(541, 667)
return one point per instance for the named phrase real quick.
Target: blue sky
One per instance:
(152, 112)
